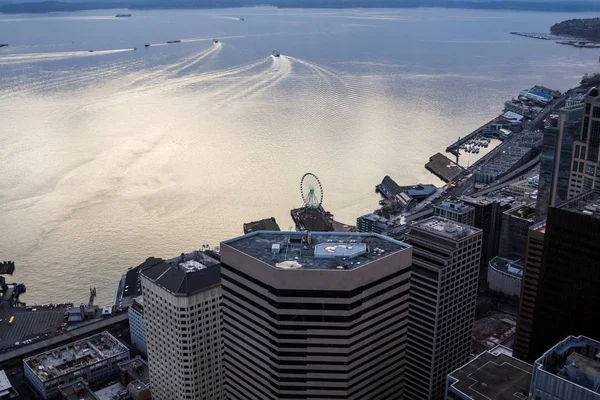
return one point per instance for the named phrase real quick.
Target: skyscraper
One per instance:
(569, 277)
(444, 278)
(182, 301)
(515, 226)
(585, 173)
(555, 164)
(529, 288)
(314, 316)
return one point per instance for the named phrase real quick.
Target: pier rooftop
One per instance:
(316, 250)
(443, 167)
(66, 359)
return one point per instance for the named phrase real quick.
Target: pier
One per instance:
(444, 168)
(7, 267)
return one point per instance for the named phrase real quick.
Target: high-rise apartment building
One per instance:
(182, 300)
(585, 171)
(444, 279)
(568, 279)
(315, 316)
(515, 227)
(488, 218)
(529, 289)
(555, 164)
(455, 211)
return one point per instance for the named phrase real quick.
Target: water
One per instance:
(109, 157)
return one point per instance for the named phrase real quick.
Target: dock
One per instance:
(444, 168)
(268, 224)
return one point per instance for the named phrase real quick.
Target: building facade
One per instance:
(315, 316)
(455, 211)
(515, 227)
(444, 279)
(137, 325)
(488, 218)
(182, 300)
(555, 163)
(529, 289)
(569, 277)
(569, 370)
(585, 174)
(93, 359)
(505, 276)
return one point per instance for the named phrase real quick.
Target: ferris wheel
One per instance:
(311, 191)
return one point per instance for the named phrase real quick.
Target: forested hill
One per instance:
(588, 28)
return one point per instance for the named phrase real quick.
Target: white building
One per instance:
(182, 300)
(443, 291)
(505, 276)
(94, 359)
(315, 316)
(137, 325)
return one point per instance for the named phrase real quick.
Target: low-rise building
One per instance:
(456, 211)
(134, 370)
(137, 325)
(569, 370)
(373, 223)
(94, 359)
(7, 392)
(77, 390)
(493, 375)
(505, 276)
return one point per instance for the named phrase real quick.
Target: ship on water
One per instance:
(215, 41)
(174, 41)
(123, 16)
(3, 44)
(276, 53)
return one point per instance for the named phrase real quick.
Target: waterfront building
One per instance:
(569, 370)
(94, 359)
(529, 288)
(505, 276)
(137, 325)
(568, 279)
(493, 375)
(182, 300)
(444, 279)
(585, 171)
(488, 218)
(7, 392)
(373, 223)
(315, 315)
(555, 164)
(129, 286)
(455, 210)
(515, 226)
(537, 96)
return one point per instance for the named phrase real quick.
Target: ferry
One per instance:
(3, 44)
(146, 45)
(123, 16)
(90, 51)
(215, 41)
(174, 41)
(276, 53)
(241, 18)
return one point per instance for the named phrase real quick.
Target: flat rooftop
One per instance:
(526, 212)
(576, 359)
(77, 391)
(446, 228)
(505, 265)
(493, 375)
(587, 203)
(137, 369)
(316, 250)
(80, 354)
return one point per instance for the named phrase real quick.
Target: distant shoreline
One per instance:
(45, 7)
